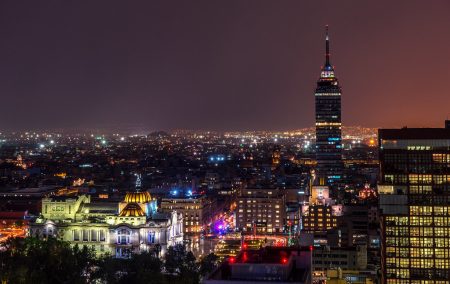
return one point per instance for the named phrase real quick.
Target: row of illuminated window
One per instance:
(327, 225)
(429, 221)
(258, 211)
(260, 215)
(441, 158)
(260, 203)
(418, 242)
(397, 273)
(392, 273)
(319, 220)
(87, 235)
(426, 252)
(417, 178)
(251, 192)
(420, 221)
(328, 124)
(417, 263)
(180, 207)
(420, 252)
(258, 220)
(397, 220)
(405, 143)
(430, 263)
(424, 232)
(428, 178)
(327, 94)
(194, 229)
(320, 215)
(420, 189)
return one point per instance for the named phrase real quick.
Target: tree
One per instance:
(181, 265)
(32, 260)
(140, 268)
(208, 264)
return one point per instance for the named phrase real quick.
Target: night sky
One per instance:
(220, 65)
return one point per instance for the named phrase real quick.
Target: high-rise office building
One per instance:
(328, 124)
(415, 204)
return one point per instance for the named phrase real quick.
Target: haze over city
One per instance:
(225, 142)
(230, 65)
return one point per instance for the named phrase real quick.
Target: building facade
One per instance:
(261, 211)
(326, 257)
(328, 124)
(320, 217)
(321, 213)
(132, 226)
(415, 204)
(196, 211)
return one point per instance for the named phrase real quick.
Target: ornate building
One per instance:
(121, 229)
(328, 124)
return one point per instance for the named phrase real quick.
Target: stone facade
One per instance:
(117, 229)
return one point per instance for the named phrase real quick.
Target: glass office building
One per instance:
(415, 204)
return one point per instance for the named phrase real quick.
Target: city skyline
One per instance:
(225, 142)
(251, 67)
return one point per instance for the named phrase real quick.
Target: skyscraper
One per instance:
(328, 123)
(415, 204)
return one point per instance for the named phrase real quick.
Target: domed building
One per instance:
(120, 229)
(138, 197)
(132, 210)
(142, 199)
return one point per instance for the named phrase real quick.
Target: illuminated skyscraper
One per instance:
(328, 123)
(414, 193)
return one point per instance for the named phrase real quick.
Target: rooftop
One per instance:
(267, 265)
(414, 133)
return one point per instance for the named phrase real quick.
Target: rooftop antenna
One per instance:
(327, 47)
(138, 182)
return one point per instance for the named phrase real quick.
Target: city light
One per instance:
(194, 143)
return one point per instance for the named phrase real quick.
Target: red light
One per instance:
(311, 248)
(231, 260)
(244, 257)
(284, 260)
(245, 246)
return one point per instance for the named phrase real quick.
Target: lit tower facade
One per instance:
(328, 123)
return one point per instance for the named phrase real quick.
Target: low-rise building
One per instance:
(320, 217)
(261, 211)
(196, 211)
(350, 258)
(344, 276)
(266, 265)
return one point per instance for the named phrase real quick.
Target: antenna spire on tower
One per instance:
(327, 47)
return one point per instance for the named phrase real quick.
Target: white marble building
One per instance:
(131, 226)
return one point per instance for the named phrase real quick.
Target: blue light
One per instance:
(334, 177)
(216, 158)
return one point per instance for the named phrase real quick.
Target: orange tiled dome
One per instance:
(132, 210)
(138, 197)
